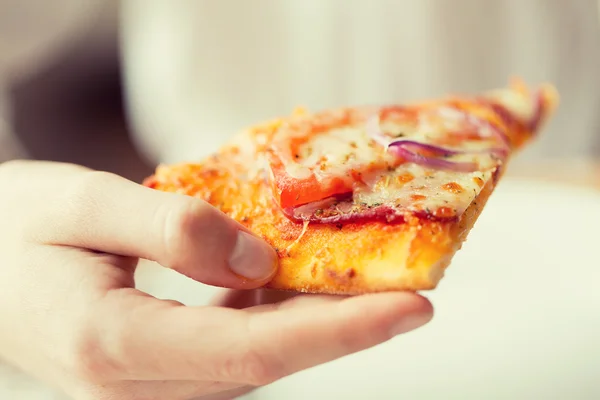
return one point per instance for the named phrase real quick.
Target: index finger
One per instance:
(104, 212)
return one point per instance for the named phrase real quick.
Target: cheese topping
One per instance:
(430, 160)
(429, 190)
(340, 149)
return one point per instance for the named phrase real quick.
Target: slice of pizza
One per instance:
(367, 199)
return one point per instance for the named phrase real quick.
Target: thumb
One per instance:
(104, 212)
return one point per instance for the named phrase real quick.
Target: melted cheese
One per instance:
(344, 152)
(341, 150)
(425, 190)
(339, 147)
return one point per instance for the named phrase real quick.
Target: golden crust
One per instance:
(350, 258)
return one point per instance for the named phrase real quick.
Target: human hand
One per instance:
(70, 239)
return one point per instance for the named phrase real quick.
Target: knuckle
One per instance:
(81, 197)
(85, 358)
(253, 368)
(183, 226)
(98, 351)
(89, 183)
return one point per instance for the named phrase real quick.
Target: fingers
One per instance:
(107, 213)
(306, 332)
(156, 341)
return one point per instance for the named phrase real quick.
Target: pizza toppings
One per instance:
(389, 196)
(309, 162)
(429, 160)
(373, 170)
(473, 136)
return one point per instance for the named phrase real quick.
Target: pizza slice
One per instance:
(367, 199)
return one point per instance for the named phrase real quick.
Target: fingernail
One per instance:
(252, 258)
(410, 322)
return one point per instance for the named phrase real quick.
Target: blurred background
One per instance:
(60, 74)
(123, 85)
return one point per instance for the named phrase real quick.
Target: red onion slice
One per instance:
(401, 148)
(437, 150)
(445, 152)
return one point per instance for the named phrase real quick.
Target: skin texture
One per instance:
(349, 258)
(70, 240)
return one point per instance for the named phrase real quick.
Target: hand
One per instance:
(70, 239)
